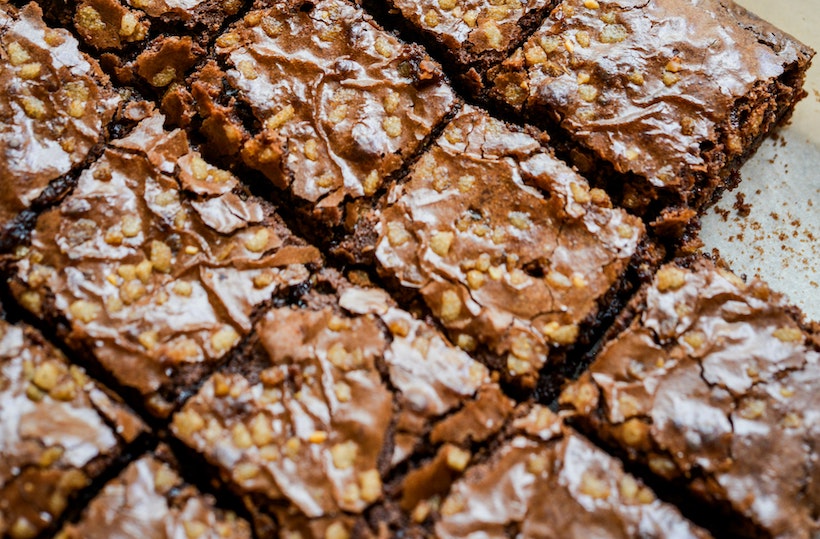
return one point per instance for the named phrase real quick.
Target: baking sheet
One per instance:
(779, 239)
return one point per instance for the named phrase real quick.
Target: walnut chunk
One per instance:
(384, 47)
(788, 335)
(392, 126)
(370, 485)
(613, 33)
(397, 234)
(187, 423)
(492, 33)
(561, 334)
(337, 530)
(594, 487)
(457, 458)
(280, 118)
(33, 107)
(441, 242)
(84, 311)
(224, 339)
(257, 241)
(344, 454)
(148, 339)
(670, 278)
(17, 54)
(160, 256)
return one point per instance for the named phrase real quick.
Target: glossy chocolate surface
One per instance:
(715, 380)
(58, 431)
(149, 500)
(55, 106)
(489, 216)
(548, 481)
(338, 393)
(157, 263)
(341, 103)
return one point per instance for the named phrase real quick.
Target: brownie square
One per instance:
(548, 481)
(150, 500)
(338, 105)
(339, 405)
(59, 431)
(155, 263)
(667, 98)
(55, 106)
(713, 384)
(512, 251)
(472, 33)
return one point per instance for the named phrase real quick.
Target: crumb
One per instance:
(743, 209)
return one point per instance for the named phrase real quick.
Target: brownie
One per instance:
(471, 34)
(150, 500)
(59, 430)
(55, 109)
(343, 402)
(337, 105)
(713, 384)
(548, 481)
(663, 99)
(155, 263)
(148, 44)
(488, 217)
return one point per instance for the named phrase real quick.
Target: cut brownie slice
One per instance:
(335, 401)
(714, 384)
(150, 501)
(150, 44)
(55, 107)
(58, 431)
(510, 248)
(156, 262)
(472, 33)
(666, 97)
(548, 481)
(340, 104)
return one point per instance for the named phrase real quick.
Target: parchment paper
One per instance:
(779, 238)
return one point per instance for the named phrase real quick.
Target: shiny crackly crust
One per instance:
(713, 383)
(670, 92)
(487, 216)
(470, 30)
(548, 481)
(155, 263)
(340, 103)
(149, 499)
(59, 431)
(331, 398)
(55, 106)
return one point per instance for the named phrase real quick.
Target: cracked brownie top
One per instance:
(59, 431)
(488, 216)
(341, 104)
(55, 106)
(715, 381)
(157, 261)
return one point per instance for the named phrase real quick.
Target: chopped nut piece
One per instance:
(440, 243)
(370, 484)
(788, 334)
(258, 240)
(224, 339)
(670, 278)
(280, 118)
(457, 458)
(85, 311)
(344, 454)
(160, 256)
(450, 306)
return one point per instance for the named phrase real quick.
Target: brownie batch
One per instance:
(333, 288)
